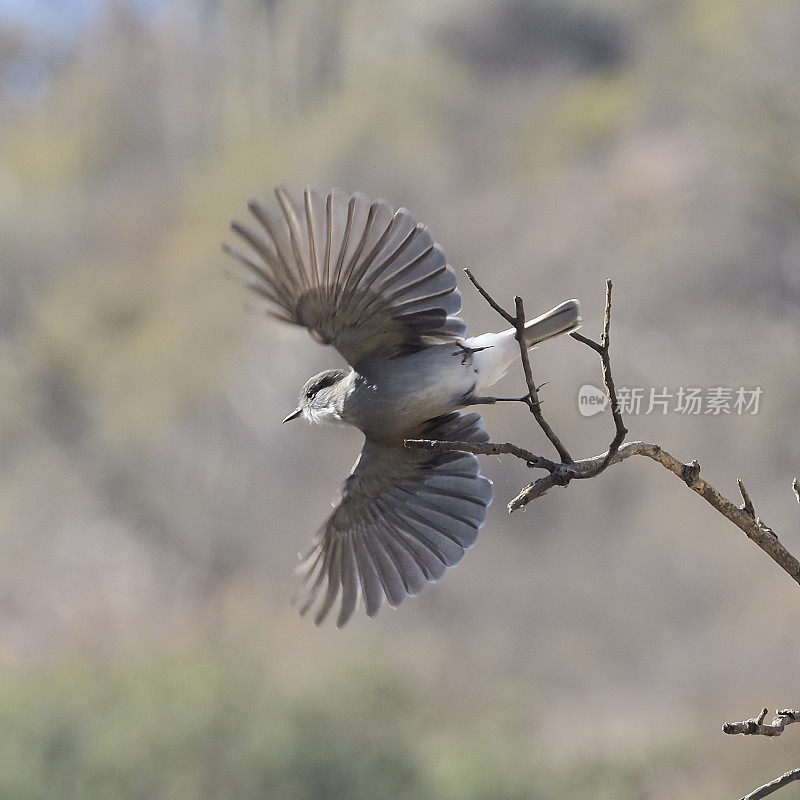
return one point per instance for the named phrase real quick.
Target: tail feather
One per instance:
(564, 318)
(494, 352)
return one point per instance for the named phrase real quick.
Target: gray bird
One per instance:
(372, 282)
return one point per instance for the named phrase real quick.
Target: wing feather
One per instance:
(369, 579)
(315, 213)
(334, 581)
(355, 272)
(279, 235)
(392, 583)
(426, 557)
(349, 584)
(409, 567)
(299, 242)
(404, 517)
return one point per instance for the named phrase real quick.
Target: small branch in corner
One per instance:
(773, 786)
(755, 726)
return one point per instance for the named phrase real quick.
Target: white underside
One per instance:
(491, 363)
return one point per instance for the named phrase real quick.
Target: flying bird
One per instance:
(370, 280)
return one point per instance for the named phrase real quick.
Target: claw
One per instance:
(467, 352)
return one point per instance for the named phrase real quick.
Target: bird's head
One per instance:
(322, 397)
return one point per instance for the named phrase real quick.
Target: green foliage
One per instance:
(203, 727)
(199, 728)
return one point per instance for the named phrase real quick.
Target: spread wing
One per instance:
(356, 273)
(404, 517)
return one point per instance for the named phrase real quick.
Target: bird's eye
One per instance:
(310, 393)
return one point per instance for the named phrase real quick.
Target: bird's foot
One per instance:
(465, 352)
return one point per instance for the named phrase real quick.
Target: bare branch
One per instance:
(533, 394)
(561, 474)
(509, 318)
(481, 449)
(603, 349)
(753, 526)
(598, 348)
(757, 727)
(773, 786)
(518, 321)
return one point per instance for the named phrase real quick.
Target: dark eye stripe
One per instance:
(323, 383)
(328, 380)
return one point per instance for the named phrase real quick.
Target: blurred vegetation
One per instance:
(151, 504)
(205, 727)
(200, 728)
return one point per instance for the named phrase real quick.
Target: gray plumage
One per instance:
(403, 518)
(372, 282)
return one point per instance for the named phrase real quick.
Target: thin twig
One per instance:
(533, 394)
(596, 346)
(509, 318)
(747, 503)
(773, 786)
(604, 350)
(518, 321)
(563, 475)
(755, 726)
(481, 449)
(689, 473)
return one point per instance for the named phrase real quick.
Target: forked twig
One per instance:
(756, 726)
(518, 321)
(561, 473)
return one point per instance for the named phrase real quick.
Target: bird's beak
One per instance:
(295, 414)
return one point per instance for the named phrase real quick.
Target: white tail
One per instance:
(564, 318)
(500, 349)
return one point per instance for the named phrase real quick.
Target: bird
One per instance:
(371, 281)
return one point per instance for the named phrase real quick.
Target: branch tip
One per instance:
(747, 504)
(755, 726)
(691, 472)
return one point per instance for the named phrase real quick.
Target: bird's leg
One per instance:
(490, 401)
(474, 400)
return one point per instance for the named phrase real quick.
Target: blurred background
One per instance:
(152, 505)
